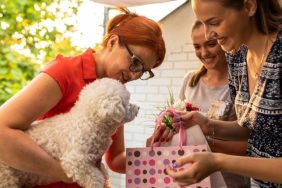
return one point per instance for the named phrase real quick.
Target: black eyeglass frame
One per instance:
(133, 67)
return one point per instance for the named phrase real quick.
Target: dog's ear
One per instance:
(113, 109)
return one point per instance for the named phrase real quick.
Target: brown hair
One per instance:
(137, 30)
(268, 17)
(202, 71)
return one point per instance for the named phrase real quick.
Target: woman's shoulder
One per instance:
(275, 54)
(62, 64)
(189, 74)
(279, 36)
(73, 67)
(187, 77)
(185, 84)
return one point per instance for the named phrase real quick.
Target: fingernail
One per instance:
(162, 139)
(174, 165)
(167, 140)
(178, 118)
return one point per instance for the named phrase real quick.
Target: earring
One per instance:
(252, 13)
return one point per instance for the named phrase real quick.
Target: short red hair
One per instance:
(137, 30)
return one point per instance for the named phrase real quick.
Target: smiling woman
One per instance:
(148, 49)
(55, 90)
(137, 65)
(251, 32)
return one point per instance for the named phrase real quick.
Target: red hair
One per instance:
(137, 30)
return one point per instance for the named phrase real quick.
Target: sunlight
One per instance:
(91, 18)
(88, 24)
(158, 10)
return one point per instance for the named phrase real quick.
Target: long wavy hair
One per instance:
(202, 71)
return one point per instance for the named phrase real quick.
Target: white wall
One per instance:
(153, 93)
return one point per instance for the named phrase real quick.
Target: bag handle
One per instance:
(182, 131)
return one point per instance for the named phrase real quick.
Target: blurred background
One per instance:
(32, 32)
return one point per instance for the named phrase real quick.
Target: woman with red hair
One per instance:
(132, 47)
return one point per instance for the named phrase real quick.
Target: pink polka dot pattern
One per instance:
(137, 172)
(137, 163)
(166, 180)
(152, 162)
(148, 171)
(152, 171)
(166, 162)
(137, 181)
(152, 180)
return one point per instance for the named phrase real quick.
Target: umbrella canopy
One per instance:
(129, 3)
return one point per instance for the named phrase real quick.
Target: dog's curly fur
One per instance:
(80, 137)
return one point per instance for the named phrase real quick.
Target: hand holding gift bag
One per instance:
(193, 136)
(145, 167)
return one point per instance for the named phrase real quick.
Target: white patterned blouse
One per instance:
(261, 112)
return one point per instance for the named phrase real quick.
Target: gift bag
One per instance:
(145, 167)
(195, 136)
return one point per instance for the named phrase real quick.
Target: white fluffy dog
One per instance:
(79, 138)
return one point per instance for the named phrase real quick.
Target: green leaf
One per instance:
(17, 69)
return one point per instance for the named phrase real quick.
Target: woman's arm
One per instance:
(115, 156)
(225, 130)
(259, 168)
(16, 148)
(205, 163)
(228, 130)
(228, 147)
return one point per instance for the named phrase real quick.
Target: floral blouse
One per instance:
(261, 112)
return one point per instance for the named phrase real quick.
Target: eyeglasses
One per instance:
(137, 65)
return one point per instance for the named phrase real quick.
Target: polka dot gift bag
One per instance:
(145, 167)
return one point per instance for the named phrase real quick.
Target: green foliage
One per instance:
(170, 100)
(167, 120)
(26, 41)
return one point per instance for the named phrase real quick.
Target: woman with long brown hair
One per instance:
(250, 31)
(208, 88)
